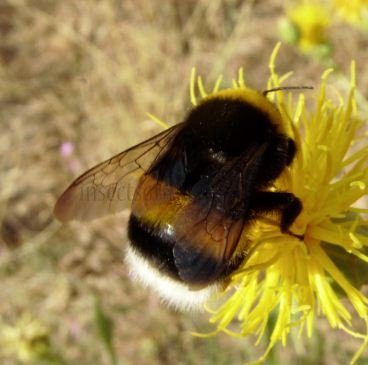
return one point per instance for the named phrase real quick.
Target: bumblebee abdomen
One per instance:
(151, 225)
(183, 237)
(155, 244)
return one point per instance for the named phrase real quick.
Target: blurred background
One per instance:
(76, 79)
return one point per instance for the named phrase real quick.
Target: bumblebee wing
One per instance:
(210, 228)
(207, 243)
(109, 187)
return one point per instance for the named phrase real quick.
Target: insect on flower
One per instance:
(198, 188)
(245, 198)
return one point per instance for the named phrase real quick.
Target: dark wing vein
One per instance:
(109, 187)
(213, 225)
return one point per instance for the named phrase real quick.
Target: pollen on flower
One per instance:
(294, 278)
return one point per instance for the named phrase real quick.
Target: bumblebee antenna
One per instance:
(287, 88)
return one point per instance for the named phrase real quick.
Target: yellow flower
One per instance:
(352, 11)
(294, 279)
(28, 340)
(306, 25)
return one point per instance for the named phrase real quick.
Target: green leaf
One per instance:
(105, 330)
(354, 269)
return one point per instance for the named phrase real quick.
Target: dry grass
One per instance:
(86, 72)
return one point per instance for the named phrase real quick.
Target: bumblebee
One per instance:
(194, 191)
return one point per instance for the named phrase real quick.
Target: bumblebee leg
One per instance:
(287, 204)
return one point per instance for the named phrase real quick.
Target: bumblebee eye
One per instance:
(291, 151)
